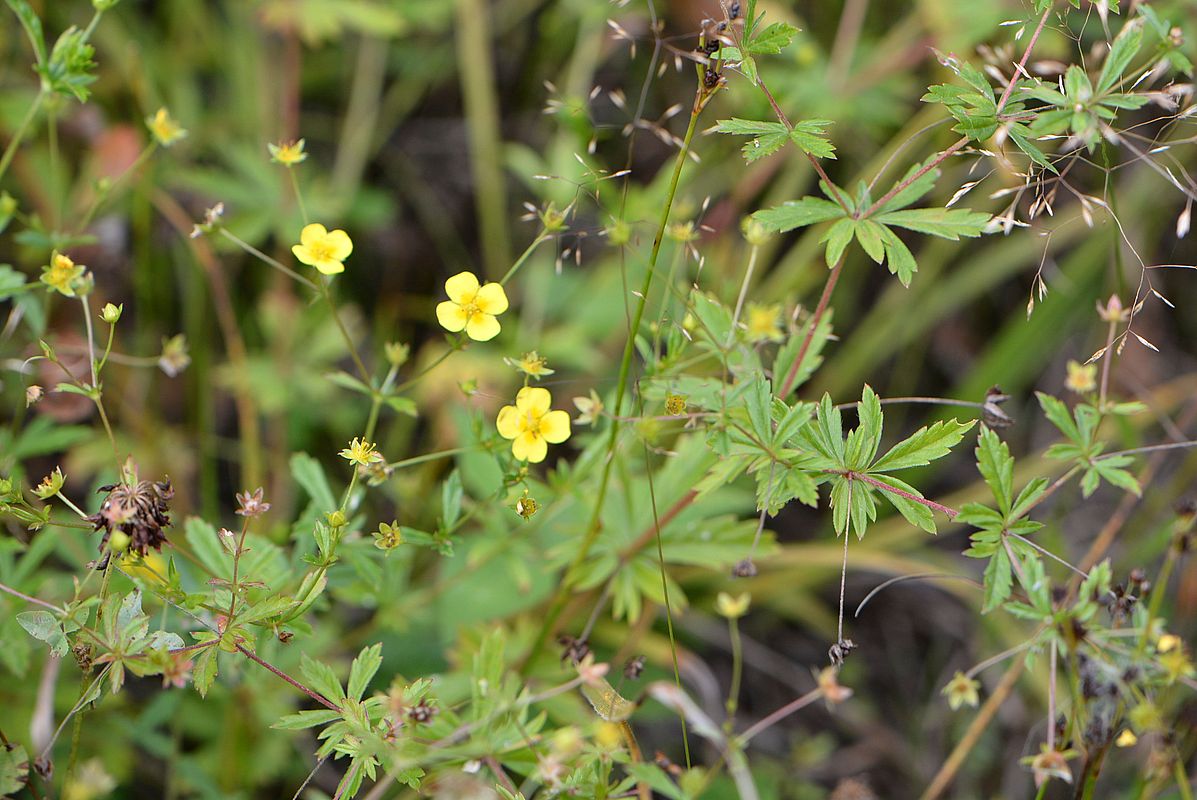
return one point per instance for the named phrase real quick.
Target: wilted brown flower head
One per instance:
(139, 511)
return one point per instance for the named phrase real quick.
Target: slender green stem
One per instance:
(101, 196)
(71, 505)
(733, 692)
(411, 462)
(273, 262)
(303, 209)
(1182, 780)
(95, 382)
(557, 605)
(19, 134)
(540, 239)
(363, 373)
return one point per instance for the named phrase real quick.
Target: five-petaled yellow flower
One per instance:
(1082, 378)
(962, 691)
(287, 153)
(361, 452)
(165, 128)
(62, 274)
(323, 249)
(532, 425)
(472, 307)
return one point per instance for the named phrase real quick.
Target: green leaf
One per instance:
(768, 137)
(863, 442)
(1125, 47)
(810, 361)
(948, 223)
(451, 495)
(306, 719)
(363, 670)
(657, 780)
(926, 445)
(869, 234)
(205, 543)
(863, 506)
(310, 475)
(45, 627)
(914, 191)
(811, 137)
(1057, 414)
(204, 672)
(609, 704)
(14, 769)
(772, 40)
(321, 678)
(996, 466)
(838, 237)
(798, 213)
(914, 512)
(898, 257)
(826, 436)
(997, 581)
(32, 25)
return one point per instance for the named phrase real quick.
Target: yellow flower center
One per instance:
(530, 424)
(321, 251)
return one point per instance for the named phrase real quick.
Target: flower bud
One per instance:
(111, 313)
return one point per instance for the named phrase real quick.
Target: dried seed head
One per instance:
(634, 668)
(744, 569)
(139, 511)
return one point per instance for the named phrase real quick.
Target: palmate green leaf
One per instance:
(869, 234)
(772, 40)
(837, 238)
(768, 137)
(44, 626)
(811, 137)
(926, 445)
(948, 223)
(1057, 413)
(798, 213)
(1124, 48)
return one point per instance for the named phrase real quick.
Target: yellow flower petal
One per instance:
(340, 243)
(491, 299)
(451, 316)
(302, 253)
(482, 327)
(533, 400)
(329, 266)
(529, 447)
(462, 287)
(508, 422)
(311, 234)
(554, 426)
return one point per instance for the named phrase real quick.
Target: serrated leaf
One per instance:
(1124, 48)
(45, 627)
(204, 672)
(898, 257)
(948, 223)
(363, 670)
(772, 40)
(810, 136)
(321, 678)
(996, 466)
(998, 581)
(869, 234)
(837, 238)
(926, 445)
(914, 512)
(863, 442)
(310, 475)
(798, 214)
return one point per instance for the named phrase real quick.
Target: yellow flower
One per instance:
(472, 307)
(531, 425)
(1169, 641)
(287, 153)
(166, 130)
(1176, 665)
(961, 690)
(675, 404)
(323, 249)
(732, 607)
(1126, 739)
(532, 364)
(361, 452)
(62, 274)
(1081, 378)
(764, 322)
(388, 537)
